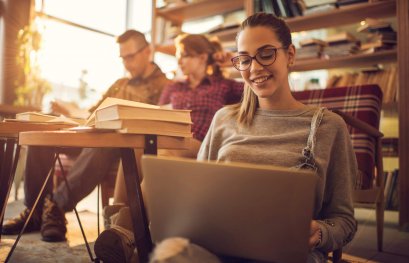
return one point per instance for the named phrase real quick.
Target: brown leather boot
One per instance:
(117, 244)
(13, 226)
(53, 228)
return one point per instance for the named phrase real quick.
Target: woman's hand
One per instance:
(315, 234)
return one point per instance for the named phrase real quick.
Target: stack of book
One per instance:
(319, 6)
(281, 8)
(390, 147)
(391, 190)
(310, 48)
(379, 36)
(141, 118)
(341, 44)
(225, 34)
(341, 3)
(385, 78)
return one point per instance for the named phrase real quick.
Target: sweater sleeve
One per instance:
(213, 140)
(337, 220)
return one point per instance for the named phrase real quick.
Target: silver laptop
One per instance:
(233, 209)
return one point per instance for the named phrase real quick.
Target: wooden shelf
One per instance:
(226, 35)
(343, 16)
(185, 12)
(355, 60)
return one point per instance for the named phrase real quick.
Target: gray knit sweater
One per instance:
(277, 137)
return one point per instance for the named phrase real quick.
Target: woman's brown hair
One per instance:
(246, 110)
(196, 44)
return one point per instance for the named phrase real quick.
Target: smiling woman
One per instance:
(270, 127)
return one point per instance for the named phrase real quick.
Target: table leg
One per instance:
(75, 208)
(3, 149)
(7, 175)
(142, 236)
(50, 173)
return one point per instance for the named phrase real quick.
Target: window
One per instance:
(79, 56)
(105, 15)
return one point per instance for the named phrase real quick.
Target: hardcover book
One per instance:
(124, 112)
(34, 116)
(147, 127)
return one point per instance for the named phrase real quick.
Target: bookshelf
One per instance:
(344, 15)
(402, 14)
(354, 60)
(341, 16)
(184, 12)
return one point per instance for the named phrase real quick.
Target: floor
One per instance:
(32, 249)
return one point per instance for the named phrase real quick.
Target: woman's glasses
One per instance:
(264, 57)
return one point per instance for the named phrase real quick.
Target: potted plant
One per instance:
(30, 86)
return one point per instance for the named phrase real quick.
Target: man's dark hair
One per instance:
(132, 34)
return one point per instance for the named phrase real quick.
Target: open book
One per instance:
(36, 117)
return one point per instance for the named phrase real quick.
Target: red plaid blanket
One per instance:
(364, 103)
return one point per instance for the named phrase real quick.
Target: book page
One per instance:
(67, 120)
(33, 116)
(71, 109)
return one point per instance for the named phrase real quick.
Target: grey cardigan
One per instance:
(278, 137)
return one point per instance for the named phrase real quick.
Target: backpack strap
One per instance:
(308, 150)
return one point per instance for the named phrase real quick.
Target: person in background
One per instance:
(145, 84)
(271, 127)
(203, 91)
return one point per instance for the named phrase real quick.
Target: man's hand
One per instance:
(68, 109)
(59, 109)
(315, 234)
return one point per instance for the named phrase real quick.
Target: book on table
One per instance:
(124, 116)
(110, 101)
(147, 127)
(37, 117)
(140, 118)
(34, 116)
(123, 112)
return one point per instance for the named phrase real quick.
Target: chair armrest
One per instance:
(358, 124)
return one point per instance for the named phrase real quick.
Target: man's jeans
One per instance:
(90, 168)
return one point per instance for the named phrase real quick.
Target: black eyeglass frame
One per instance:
(132, 55)
(255, 57)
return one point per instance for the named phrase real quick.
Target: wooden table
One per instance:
(127, 143)
(9, 155)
